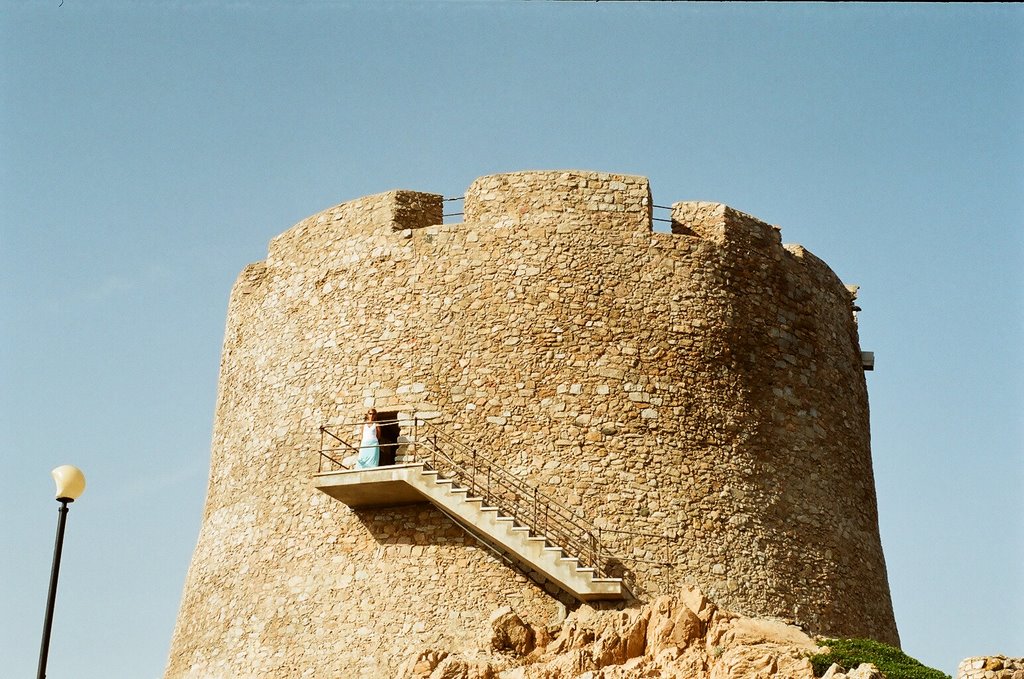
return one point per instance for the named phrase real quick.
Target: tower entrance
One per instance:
(389, 431)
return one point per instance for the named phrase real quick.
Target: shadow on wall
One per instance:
(404, 534)
(411, 525)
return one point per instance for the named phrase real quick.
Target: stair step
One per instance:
(534, 549)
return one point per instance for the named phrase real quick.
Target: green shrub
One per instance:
(892, 662)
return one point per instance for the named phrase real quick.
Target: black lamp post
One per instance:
(70, 485)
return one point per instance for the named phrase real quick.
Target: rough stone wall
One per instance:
(704, 384)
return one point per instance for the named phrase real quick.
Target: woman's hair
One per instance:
(371, 415)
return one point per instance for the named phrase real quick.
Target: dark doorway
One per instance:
(389, 430)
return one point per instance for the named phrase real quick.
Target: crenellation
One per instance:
(562, 200)
(326, 239)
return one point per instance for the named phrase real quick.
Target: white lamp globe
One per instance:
(70, 482)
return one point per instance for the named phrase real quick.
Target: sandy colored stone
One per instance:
(865, 671)
(421, 665)
(459, 668)
(510, 633)
(745, 448)
(600, 639)
(673, 624)
(991, 667)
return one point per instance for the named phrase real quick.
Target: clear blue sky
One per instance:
(149, 151)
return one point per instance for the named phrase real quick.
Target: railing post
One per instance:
(534, 520)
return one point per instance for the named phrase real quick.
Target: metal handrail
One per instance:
(527, 505)
(324, 451)
(345, 445)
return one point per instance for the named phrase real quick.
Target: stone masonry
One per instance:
(703, 388)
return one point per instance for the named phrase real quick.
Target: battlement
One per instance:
(564, 202)
(724, 225)
(374, 215)
(572, 199)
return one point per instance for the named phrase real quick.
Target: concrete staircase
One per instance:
(413, 483)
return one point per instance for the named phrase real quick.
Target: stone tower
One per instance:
(701, 391)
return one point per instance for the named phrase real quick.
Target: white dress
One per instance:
(369, 448)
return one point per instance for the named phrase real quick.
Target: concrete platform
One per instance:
(376, 487)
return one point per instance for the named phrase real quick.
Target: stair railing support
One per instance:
(533, 519)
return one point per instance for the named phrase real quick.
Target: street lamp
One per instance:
(70, 485)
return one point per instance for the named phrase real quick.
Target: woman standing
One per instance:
(369, 448)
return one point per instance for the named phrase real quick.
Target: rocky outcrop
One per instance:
(511, 633)
(679, 636)
(991, 667)
(863, 671)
